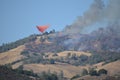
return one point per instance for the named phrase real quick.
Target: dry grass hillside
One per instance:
(113, 67)
(11, 55)
(102, 77)
(66, 53)
(15, 66)
(68, 70)
(77, 53)
(37, 41)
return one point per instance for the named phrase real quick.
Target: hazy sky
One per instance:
(18, 18)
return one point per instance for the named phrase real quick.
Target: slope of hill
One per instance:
(103, 39)
(68, 53)
(12, 45)
(9, 74)
(113, 68)
(102, 77)
(68, 70)
(78, 53)
(11, 55)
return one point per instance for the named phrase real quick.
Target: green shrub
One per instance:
(102, 71)
(84, 72)
(93, 72)
(74, 77)
(52, 61)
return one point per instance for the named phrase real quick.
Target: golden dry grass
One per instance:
(88, 77)
(17, 65)
(112, 68)
(37, 41)
(11, 55)
(78, 53)
(65, 53)
(69, 70)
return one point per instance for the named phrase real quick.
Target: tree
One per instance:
(93, 72)
(48, 76)
(54, 77)
(102, 71)
(42, 39)
(61, 75)
(25, 53)
(84, 72)
(74, 77)
(68, 55)
(74, 56)
(46, 33)
(55, 54)
(52, 61)
(83, 58)
(53, 31)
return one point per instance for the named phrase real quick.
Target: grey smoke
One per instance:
(98, 12)
(112, 11)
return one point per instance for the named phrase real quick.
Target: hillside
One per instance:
(64, 53)
(113, 72)
(9, 74)
(68, 70)
(112, 67)
(87, 49)
(12, 45)
(11, 55)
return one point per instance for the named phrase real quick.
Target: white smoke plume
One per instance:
(98, 12)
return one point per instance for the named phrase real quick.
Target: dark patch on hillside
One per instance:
(9, 74)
